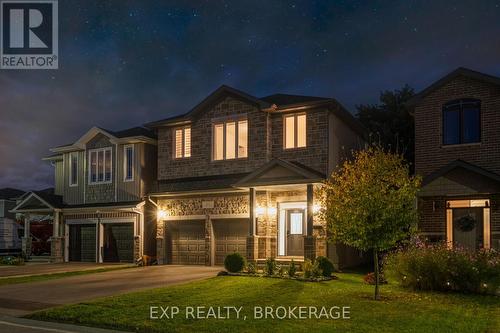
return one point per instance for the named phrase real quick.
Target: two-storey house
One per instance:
(98, 206)
(239, 173)
(457, 152)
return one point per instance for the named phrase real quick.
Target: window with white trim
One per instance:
(182, 142)
(294, 131)
(230, 140)
(128, 163)
(73, 169)
(100, 165)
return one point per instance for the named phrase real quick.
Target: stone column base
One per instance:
(252, 248)
(309, 247)
(160, 250)
(137, 247)
(26, 247)
(56, 249)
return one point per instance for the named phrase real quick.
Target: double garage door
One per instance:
(186, 240)
(118, 242)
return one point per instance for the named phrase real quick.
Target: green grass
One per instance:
(52, 276)
(398, 311)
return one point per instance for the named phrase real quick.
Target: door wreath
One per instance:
(466, 223)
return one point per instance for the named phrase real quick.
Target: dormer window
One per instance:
(294, 129)
(230, 140)
(182, 142)
(100, 166)
(462, 122)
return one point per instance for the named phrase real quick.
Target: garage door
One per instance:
(118, 242)
(82, 243)
(185, 242)
(230, 237)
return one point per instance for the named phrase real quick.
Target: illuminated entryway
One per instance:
(291, 228)
(468, 223)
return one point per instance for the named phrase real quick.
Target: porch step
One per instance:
(39, 259)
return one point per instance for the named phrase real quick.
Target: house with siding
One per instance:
(98, 207)
(457, 152)
(239, 173)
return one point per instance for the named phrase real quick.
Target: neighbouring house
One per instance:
(98, 207)
(11, 231)
(457, 152)
(239, 173)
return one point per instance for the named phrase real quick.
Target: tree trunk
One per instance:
(375, 263)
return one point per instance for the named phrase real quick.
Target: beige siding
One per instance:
(74, 195)
(59, 177)
(129, 190)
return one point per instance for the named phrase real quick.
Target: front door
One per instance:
(295, 232)
(468, 228)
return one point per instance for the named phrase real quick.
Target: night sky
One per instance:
(125, 63)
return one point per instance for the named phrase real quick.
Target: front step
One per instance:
(44, 259)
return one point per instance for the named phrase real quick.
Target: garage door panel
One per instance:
(187, 239)
(230, 236)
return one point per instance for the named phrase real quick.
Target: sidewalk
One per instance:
(21, 325)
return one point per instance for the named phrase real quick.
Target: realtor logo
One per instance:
(29, 34)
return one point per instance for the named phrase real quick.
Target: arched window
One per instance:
(462, 121)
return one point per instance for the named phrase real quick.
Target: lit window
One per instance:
(295, 131)
(230, 140)
(182, 142)
(100, 170)
(462, 122)
(73, 169)
(128, 162)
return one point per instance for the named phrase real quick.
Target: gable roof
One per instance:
(286, 99)
(280, 172)
(139, 134)
(39, 201)
(9, 193)
(463, 165)
(212, 99)
(461, 71)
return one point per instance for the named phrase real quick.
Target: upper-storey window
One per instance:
(295, 131)
(73, 169)
(462, 122)
(182, 142)
(100, 166)
(128, 163)
(230, 140)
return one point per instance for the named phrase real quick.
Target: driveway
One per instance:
(21, 299)
(50, 268)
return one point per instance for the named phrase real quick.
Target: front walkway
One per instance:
(21, 299)
(50, 268)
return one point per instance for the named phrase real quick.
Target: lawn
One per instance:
(52, 276)
(398, 311)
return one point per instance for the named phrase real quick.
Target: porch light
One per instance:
(260, 210)
(161, 214)
(271, 210)
(316, 208)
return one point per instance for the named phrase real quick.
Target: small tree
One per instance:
(370, 203)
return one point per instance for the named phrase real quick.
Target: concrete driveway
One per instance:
(21, 299)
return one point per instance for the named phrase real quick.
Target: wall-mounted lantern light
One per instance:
(161, 214)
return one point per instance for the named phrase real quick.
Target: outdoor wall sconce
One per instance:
(161, 214)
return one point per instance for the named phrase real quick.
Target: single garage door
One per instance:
(82, 242)
(230, 236)
(118, 242)
(185, 242)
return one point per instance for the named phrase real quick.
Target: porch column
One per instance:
(56, 241)
(26, 240)
(252, 241)
(309, 241)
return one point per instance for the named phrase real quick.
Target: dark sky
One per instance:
(124, 63)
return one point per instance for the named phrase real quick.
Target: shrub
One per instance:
(436, 267)
(234, 262)
(251, 268)
(370, 278)
(316, 271)
(325, 265)
(270, 267)
(307, 268)
(281, 271)
(9, 260)
(292, 269)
